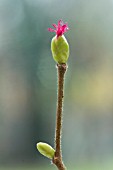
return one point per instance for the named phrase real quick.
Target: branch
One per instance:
(57, 160)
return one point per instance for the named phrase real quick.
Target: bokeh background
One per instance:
(28, 83)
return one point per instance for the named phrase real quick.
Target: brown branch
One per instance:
(57, 160)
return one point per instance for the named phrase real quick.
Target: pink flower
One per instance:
(60, 29)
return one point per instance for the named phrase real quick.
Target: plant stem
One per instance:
(57, 160)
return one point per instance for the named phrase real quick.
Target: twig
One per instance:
(57, 160)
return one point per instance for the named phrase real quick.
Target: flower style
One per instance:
(60, 29)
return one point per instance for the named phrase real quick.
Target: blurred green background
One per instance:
(28, 83)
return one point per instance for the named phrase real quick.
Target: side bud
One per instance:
(45, 150)
(60, 49)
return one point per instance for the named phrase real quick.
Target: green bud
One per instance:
(46, 150)
(60, 49)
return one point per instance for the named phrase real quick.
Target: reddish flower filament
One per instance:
(60, 29)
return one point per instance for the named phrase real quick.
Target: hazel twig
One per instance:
(57, 160)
